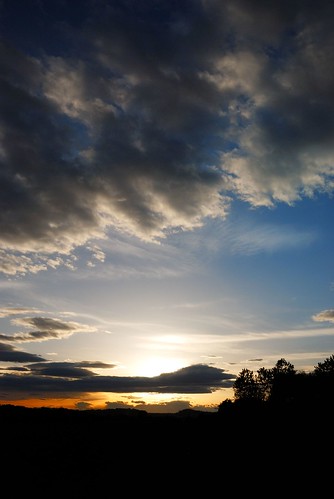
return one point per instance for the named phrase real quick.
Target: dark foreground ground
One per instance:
(53, 452)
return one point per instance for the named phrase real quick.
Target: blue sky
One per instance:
(166, 176)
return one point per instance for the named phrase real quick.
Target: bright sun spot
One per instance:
(153, 366)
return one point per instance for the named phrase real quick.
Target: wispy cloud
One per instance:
(12, 311)
(251, 238)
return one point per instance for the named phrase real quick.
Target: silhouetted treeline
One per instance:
(282, 388)
(279, 424)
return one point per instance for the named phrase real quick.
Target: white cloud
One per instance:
(324, 316)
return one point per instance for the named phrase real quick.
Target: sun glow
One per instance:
(153, 366)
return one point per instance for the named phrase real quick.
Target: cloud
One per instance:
(324, 316)
(67, 369)
(167, 114)
(9, 311)
(162, 407)
(97, 255)
(9, 354)
(251, 239)
(43, 381)
(82, 406)
(13, 264)
(46, 328)
(20, 264)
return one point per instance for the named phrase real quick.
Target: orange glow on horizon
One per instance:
(151, 402)
(52, 403)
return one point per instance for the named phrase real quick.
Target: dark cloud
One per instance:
(154, 115)
(42, 381)
(163, 407)
(67, 369)
(9, 354)
(46, 328)
(82, 406)
(172, 406)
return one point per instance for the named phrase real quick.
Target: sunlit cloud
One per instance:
(22, 263)
(324, 316)
(9, 311)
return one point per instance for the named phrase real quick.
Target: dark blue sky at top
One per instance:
(40, 27)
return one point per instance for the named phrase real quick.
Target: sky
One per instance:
(167, 178)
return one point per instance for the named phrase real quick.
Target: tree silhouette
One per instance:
(283, 386)
(325, 367)
(246, 386)
(265, 384)
(323, 382)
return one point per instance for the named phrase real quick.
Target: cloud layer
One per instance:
(66, 379)
(150, 117)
